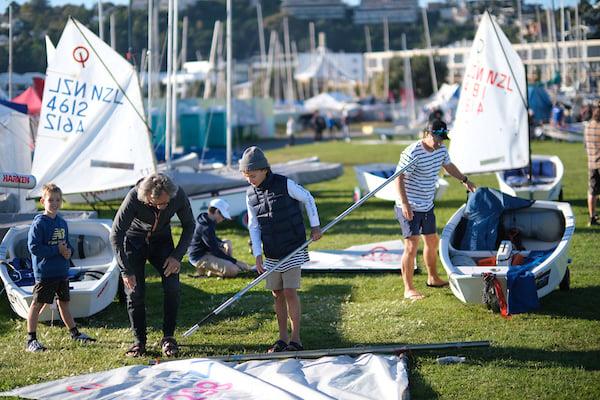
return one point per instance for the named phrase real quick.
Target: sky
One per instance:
(90, 3)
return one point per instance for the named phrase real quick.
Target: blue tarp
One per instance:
(540, 103)
(482, 214)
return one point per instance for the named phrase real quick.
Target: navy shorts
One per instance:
(44, 291)
(423, 223)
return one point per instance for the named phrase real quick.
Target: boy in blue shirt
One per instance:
(50, 253)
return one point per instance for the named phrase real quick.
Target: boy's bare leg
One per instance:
(591, 200)
(411, 245)
(33, 315)
(294, 312)
(65, 314)
(282, 314)
(430, 250)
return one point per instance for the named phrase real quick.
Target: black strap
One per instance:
(80, 250)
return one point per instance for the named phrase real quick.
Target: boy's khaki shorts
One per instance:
(289, 279)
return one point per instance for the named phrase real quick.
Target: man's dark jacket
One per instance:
(139, 222)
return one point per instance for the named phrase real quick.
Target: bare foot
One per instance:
(413, 295)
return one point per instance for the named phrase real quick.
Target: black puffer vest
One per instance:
(279, 216)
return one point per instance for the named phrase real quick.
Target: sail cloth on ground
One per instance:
(380, 256)
(92, 134)
(490, 131)
(368, 376)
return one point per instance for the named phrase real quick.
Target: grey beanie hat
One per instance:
(253, 159)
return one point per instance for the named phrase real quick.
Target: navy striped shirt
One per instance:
(420, 178)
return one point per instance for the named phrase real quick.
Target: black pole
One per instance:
(129, 55)
(530, 166)
(354, 351)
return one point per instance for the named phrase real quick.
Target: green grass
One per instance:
(553, 353)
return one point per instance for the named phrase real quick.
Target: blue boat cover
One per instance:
(521, 290)
(482, 215)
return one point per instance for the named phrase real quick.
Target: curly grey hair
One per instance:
(154, 185)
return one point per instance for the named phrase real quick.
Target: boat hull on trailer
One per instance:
(371, 176)
(94, 261)
(548, 172)
(466, 278)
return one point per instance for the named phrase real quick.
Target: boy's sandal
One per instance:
(169, 347)
(137, 350)
(293, 346)
(278, 346)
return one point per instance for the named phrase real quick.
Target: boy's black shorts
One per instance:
(44, 291)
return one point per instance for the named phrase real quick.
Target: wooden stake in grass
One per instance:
(262, 276)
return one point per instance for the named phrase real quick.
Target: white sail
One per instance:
(490, 130)
(92, 134)
(50, 50)
(15, 147)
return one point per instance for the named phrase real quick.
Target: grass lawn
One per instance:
(553, 353)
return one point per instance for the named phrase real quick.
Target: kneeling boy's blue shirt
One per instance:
(45, 234)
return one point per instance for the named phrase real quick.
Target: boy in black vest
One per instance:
(277, 229)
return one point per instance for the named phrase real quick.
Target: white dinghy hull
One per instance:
(466, 278)
(548, 172)
(371, 176)
(93, 257)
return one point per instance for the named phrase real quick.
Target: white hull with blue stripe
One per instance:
(371, 176)
(94, 277)
(545, 226)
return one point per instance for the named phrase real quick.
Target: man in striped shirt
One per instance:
(591, 136)
(414, 206)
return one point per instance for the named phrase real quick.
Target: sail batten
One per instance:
(490, 131)
(92, 116)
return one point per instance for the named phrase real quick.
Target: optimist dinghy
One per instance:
(371, 176)
(94, 276)
(546, 180)
(570, 133)
(491, 131)
(469, 242)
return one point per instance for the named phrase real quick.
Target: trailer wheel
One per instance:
(565, 283)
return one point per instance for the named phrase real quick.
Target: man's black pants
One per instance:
(156, 250)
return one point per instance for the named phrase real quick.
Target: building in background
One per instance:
(373, 11)
(314, 9)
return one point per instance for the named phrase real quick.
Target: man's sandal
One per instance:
(293, 346)
(278, 346)
(169, 346)
(137, 350)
